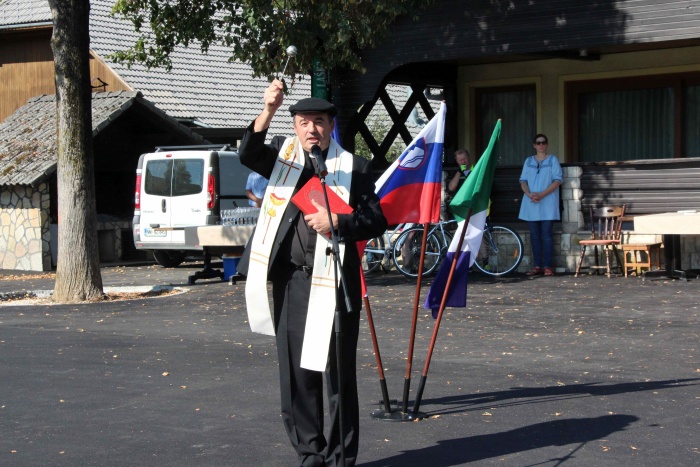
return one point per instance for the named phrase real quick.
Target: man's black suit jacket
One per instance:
(367, 221)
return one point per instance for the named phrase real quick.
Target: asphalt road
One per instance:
(558, 371)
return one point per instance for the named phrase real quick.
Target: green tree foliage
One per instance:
(379, 129)
(259, 31)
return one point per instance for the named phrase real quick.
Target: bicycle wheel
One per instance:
(447, 240)
(500, 253)
(373, 256)
(407, 252)
(445, 235)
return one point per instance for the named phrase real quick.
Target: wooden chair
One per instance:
(638, 256)
(605, 233)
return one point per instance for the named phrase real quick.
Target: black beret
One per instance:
(313, 105)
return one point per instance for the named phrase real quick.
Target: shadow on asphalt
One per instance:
(579, 431)
(459, 451)
(549, 393)
(394, 278)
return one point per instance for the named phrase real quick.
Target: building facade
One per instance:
(615, 86)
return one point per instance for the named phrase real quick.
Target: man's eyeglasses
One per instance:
(540, 142)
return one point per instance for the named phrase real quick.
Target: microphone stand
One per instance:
(338, 272)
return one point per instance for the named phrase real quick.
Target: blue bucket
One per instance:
(230, 265)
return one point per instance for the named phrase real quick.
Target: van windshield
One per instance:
(179, 177)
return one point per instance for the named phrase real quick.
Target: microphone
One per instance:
(320, 163)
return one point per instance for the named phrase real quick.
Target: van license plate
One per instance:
(154, 233)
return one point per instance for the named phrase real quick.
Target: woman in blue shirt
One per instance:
(540, 182)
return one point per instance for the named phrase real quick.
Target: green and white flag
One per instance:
(474, 193)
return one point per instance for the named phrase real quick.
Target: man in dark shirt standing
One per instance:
(455, 180)
(288, 248)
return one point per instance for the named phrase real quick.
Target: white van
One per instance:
(178, 187)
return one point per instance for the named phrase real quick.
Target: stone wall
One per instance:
(690, 252)
(26, 241)
(566, 249)
(109, 238)
(24, 228)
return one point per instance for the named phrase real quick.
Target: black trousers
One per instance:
(302, 390)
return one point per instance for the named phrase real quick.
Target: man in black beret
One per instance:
(290, 252)
(313, 105)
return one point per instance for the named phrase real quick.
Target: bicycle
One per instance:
(379, 251)
(408, 248)
(500, 253)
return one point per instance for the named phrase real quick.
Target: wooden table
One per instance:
(671, 225)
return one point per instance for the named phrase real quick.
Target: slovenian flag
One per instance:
(409, 190)
(474, 194)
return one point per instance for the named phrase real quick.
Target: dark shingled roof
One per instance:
(207, 89)
(28, 143)
(24, 12)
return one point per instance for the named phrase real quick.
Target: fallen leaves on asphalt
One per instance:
(29, 298)
(14, 277)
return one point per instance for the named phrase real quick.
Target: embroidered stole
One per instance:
(321, 308)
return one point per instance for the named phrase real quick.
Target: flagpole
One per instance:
(424, 375)
(412, 339)
(399, 194)
(380, 368)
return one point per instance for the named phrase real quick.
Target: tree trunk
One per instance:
(78, 270)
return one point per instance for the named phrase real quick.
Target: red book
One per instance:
(312, 190)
